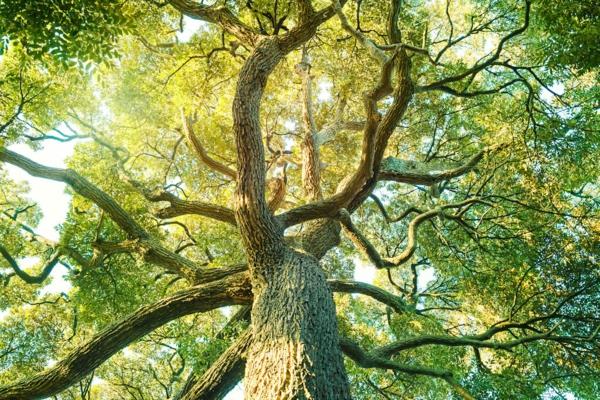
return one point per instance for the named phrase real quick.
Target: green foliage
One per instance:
(515, 259)
(570, 33)
(72, 31)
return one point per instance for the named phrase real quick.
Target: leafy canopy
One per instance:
(114, 78)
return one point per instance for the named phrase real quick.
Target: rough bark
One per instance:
(320, 236)
(261, 233)
(223, 374)
(295, 351)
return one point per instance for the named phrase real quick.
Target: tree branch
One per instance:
(364, 245)
(229, 291)
(388, 350)
(180, 207)
(478, 67)
(200, 151)
(259, 228)
(31, 279)
(311, 164)
(466, 94)
(400, 217)
(354, 189)
(81, 185)
(395, 302)
(219, 15)
(373, 360)
(224, 373)
(417, 173)
(152, 250)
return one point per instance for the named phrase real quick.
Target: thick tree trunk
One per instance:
(295, 352)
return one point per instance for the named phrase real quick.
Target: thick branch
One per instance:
(377, 130)
(311, 164)
(257, 225)
(417, 173)
(224, 373)
(185, 207)
(230, 291)
(219, 15)
(305, 30)
(305, 10)
(384, 297)
(80, 185)
(278, 188)
(262, 233)
(150, 247)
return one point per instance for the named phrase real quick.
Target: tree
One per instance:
(451, 145)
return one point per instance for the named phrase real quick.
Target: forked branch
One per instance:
(374, 360)
(149, 247)
(261, 231)
(480, 66)
(364, 245)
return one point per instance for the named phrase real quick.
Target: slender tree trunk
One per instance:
(295, 352)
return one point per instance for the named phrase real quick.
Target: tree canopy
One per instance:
(223, 150)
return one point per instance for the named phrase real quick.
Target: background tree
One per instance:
(256, 165)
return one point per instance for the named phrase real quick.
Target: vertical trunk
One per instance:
(295, 352)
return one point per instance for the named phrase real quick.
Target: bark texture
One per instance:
(295, 352)
(223, 374)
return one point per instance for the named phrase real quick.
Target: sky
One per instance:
(50, 197)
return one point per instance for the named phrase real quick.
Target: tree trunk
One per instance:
(295, 352)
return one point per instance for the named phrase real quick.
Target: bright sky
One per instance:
(190, 26)
(50, 197)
